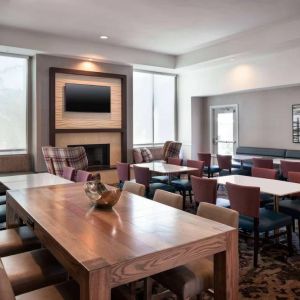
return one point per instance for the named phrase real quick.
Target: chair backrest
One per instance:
(294, 177)
(224, 162)
(6, 291)
(57, 158)
(289, 166)
(69, 173)
(205, 190)
(266, 163)
(174, 161)
(219, 214)
(167, 198)
(123, 170)
(198, 164)
(205, 157)
(244, 199)
(165, 148)
(173, 150)
(142, 175)
(83, 176)
(264, 173)
(134, 188)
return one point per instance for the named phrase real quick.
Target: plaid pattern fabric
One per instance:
(146, 154)
(173, 150)
(165, 149)
(58, 158)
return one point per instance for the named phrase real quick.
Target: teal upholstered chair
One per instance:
(143, 176)
(253, 219)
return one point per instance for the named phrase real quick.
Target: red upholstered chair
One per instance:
(184, 185)
(266, 163)
(123, 170)
(143, 176)
(205, 190)
(246, 200)
(289, 166)
(264, 173)
(225, 165)
(208, 168)
(58, 158)
(69, 173)
(83, 176)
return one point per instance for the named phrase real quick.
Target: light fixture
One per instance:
(103, 37)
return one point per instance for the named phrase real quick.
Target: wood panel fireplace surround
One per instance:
(104, 135)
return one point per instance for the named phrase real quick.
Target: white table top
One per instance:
(269, 186)
(241, 157)
(276, 161)
(32, 180)
(164, 168)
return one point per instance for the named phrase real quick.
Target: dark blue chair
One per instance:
(143, 176)
(253, 219)
(184, 186)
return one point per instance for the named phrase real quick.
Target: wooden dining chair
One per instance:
(253, 219)
(259, 162)
(123, 171)
(265, 199)
(205, 190)
(134, 188)
(208, 168)
(167, 198)
(288, 166)
(184, 186)
(192, 279)
(143, 176)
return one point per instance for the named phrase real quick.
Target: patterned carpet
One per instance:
(276, 277)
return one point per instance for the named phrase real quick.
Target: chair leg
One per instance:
(293, 223)
(299, 229)
(183, 198)
(190, 195)
(256, 243)
(289, 239)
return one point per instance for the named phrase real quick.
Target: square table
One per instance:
(102, 249)
(278, 188)
(164, 168)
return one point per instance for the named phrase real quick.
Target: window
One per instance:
(153, 108)
(13, 104)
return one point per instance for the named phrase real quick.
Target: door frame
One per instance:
(211, 107)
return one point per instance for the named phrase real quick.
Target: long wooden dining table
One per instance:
(103, 249)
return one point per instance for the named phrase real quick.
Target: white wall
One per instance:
(267, 71)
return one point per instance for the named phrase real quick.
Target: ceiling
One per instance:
(166, 26)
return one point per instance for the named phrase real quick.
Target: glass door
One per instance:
(224, 131)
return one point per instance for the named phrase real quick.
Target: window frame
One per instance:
(27, 110)
(175, 117)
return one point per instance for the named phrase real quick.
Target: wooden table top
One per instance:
(32, 180)
(164, 168)
(135, 227)
(270, 186)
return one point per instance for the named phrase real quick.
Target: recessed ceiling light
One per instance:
(103, 37)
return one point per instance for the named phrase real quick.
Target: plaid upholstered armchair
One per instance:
(58, 158)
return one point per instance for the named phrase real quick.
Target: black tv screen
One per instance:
(87, 98)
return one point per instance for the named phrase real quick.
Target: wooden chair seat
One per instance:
(32, 270)
(16, 240)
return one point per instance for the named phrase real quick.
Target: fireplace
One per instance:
(98, 155)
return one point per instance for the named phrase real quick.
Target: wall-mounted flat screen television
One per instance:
(87, 98)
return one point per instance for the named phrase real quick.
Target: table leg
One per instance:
(226, 270)
(95, 285)
(12, 219)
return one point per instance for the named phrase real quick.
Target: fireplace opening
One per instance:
(98, 155)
